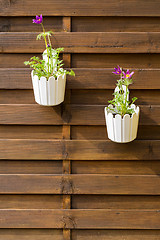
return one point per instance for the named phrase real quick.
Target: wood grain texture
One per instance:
(115, 24)
(94, 115)
(24, 24)
(116, 167)
(30, 114)
(104, 79)
(78, 150)
(30, 167)
(76, 184)
(80, 8)
(102, 96)
(79, 96)
(90, 60)
(107, 150)
(31, 234)
(86, 78)
(30, 132)
(34, 114)
(30, 201)
(73, 42)
(32, 149)
(86, 219)
(123, 202)
(100, 132)
(107, 60)
(115, 234)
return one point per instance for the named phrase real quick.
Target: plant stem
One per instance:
(46, 44)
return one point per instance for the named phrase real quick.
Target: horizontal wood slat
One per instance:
(34, 114)
(86, 219)
(80, 8)
(100, 132)
(107, 150)
(115, 234)
(73, 42)
(115, 24)
(30, 132)
(31, 114)
(123, 202)
(104, 79)
(78, 150)
(30, 167)
(94, 115)
(90, 60)
(76, 184)
(31, 149)
(30, 201)
(31, 234)
(98, 96)
(116, 167)
(20, 78)
(95, 60)
(24, 24)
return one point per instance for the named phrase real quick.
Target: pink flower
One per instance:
(127, 74)
(117, 70)
(38, 19)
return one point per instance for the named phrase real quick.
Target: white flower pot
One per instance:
(122, 130)
(49, 92)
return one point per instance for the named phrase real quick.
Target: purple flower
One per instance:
(48, 45)
(38, 19)
(117, 70)
(127, 74)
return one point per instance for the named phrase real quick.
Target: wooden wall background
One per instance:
(60, 177)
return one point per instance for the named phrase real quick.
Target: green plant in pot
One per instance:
(121, 114)
(48, 74)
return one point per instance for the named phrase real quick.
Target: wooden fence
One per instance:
(60, 177)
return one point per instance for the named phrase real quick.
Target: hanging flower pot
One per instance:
(48, 75)
(122, 116)
(49, 92)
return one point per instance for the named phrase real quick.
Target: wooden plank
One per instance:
(30, 201)
(115, 184)
(80, 8)
(107, 150)
(24, 24)
(31, 234)
(31, 184)
(30, 167)
(116, 167)
(86, 219)
(94, 115)
(16, 61)
(101, 97)
(115, 234)
(106, 60)
(99, 78)
(30, 132)
(66, 129)
(12, 78)
(109, 60)
(17, 96)
(75, 42)
(100, 132)
(12, 149)
(104, 79)
(31, 114)
(123, 202)
(31, 149)
(115, 24)
(76, 184)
